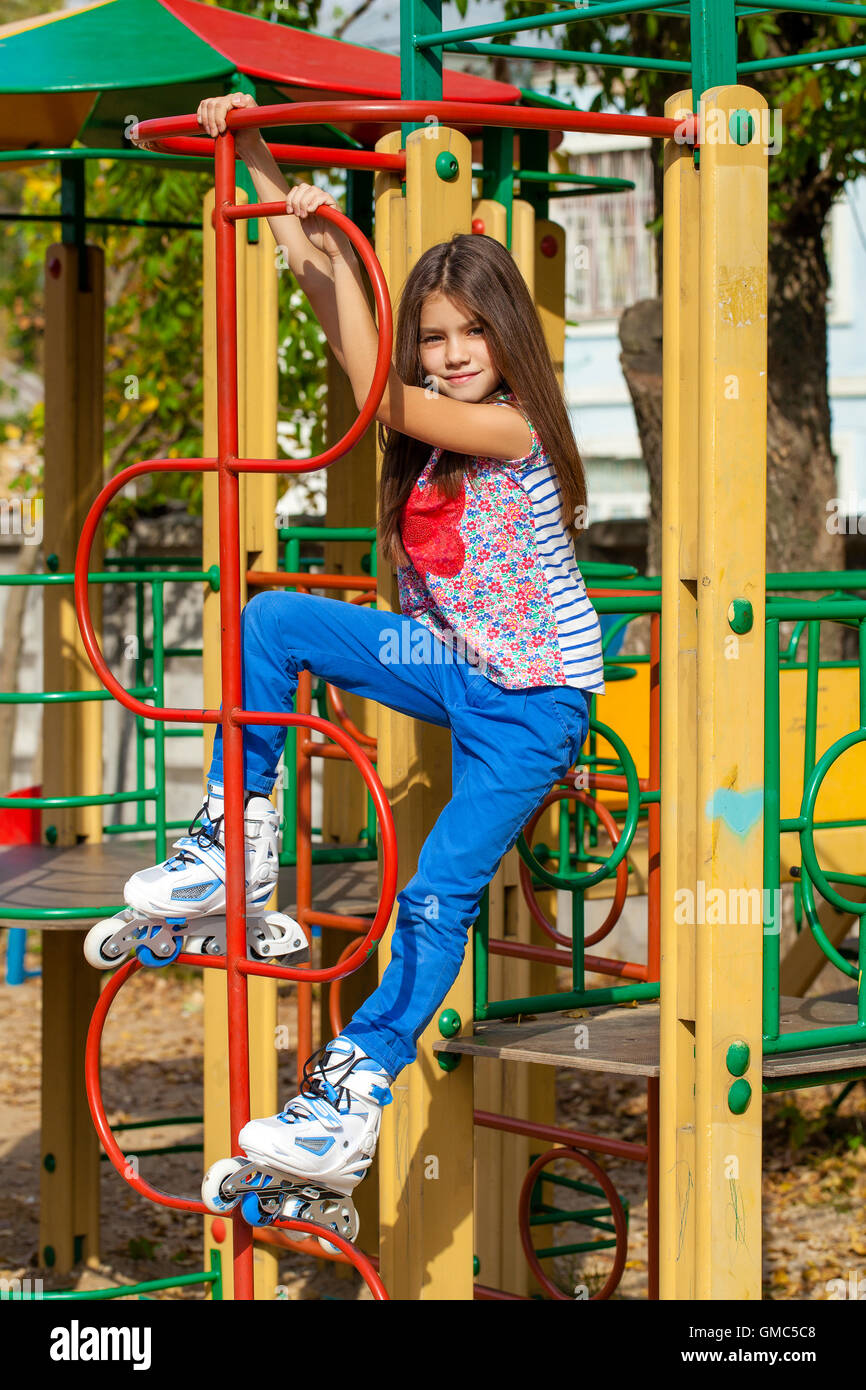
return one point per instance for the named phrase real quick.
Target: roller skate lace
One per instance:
(316, 1089)
(208, 836)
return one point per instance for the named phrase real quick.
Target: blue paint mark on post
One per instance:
(739, 810)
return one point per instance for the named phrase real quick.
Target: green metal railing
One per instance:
(713, 62)
(598, 1218)
(211, 1278)
(850, 611)
(143, 574)
(712, 41)
(578, 866)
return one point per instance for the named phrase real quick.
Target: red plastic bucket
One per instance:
(22, 827)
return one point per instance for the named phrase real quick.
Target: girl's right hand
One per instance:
(211, 113)
(302, 200)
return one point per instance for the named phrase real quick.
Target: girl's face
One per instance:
(453, 351)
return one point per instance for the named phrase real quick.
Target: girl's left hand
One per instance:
(302, 200)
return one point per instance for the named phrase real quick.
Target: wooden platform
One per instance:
(625, 1039)
(92, 876)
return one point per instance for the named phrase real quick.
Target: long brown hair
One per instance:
(480, 275)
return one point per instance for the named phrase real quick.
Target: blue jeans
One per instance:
(508, 747)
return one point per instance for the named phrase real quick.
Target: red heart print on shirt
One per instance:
(429, 529)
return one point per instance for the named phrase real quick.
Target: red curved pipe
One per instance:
(617, 1213)
(334, 1015)
(97, 1109)
(472, 113)
(355, 1257)
(93, 1086)
(232, 718)
(233, 464)
(610, 825)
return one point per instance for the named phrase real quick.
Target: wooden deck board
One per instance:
(85, 876)
(625, 1039)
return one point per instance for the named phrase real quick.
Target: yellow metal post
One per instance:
(678, 714)
(711, 975)
(732, 365)
(425, 1149)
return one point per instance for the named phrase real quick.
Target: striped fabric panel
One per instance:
(577, 623)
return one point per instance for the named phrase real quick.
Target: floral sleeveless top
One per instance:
(495, 569)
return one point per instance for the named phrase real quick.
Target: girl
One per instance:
(481, 488)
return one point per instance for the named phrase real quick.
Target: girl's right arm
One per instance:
(311, 268)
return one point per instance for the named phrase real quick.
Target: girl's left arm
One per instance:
(457, 426)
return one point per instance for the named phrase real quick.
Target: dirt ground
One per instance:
(814, 1160)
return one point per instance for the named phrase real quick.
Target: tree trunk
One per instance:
(801, 479)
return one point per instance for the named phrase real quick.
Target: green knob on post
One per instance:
(738, 1097)
(446, 166)
(740, 615)
(449, 1061)
(738, 1057)
(450, 1023)
(742, 126)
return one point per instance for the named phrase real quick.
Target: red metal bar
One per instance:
(280, 579)
(600, 965)
(454, 113)
(232, 717)
(571, 1138)
(310, 156)
(323, 750)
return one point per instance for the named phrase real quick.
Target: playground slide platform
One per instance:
(625, 1039)
(92, 876)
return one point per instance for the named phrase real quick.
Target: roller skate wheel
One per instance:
(251, 1210)
(149, 958)
(212, 1182)
(294, 1209)
(95, 941)
(337, 1215)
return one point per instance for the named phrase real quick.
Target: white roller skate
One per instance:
(179, 905)
(303, 1163)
